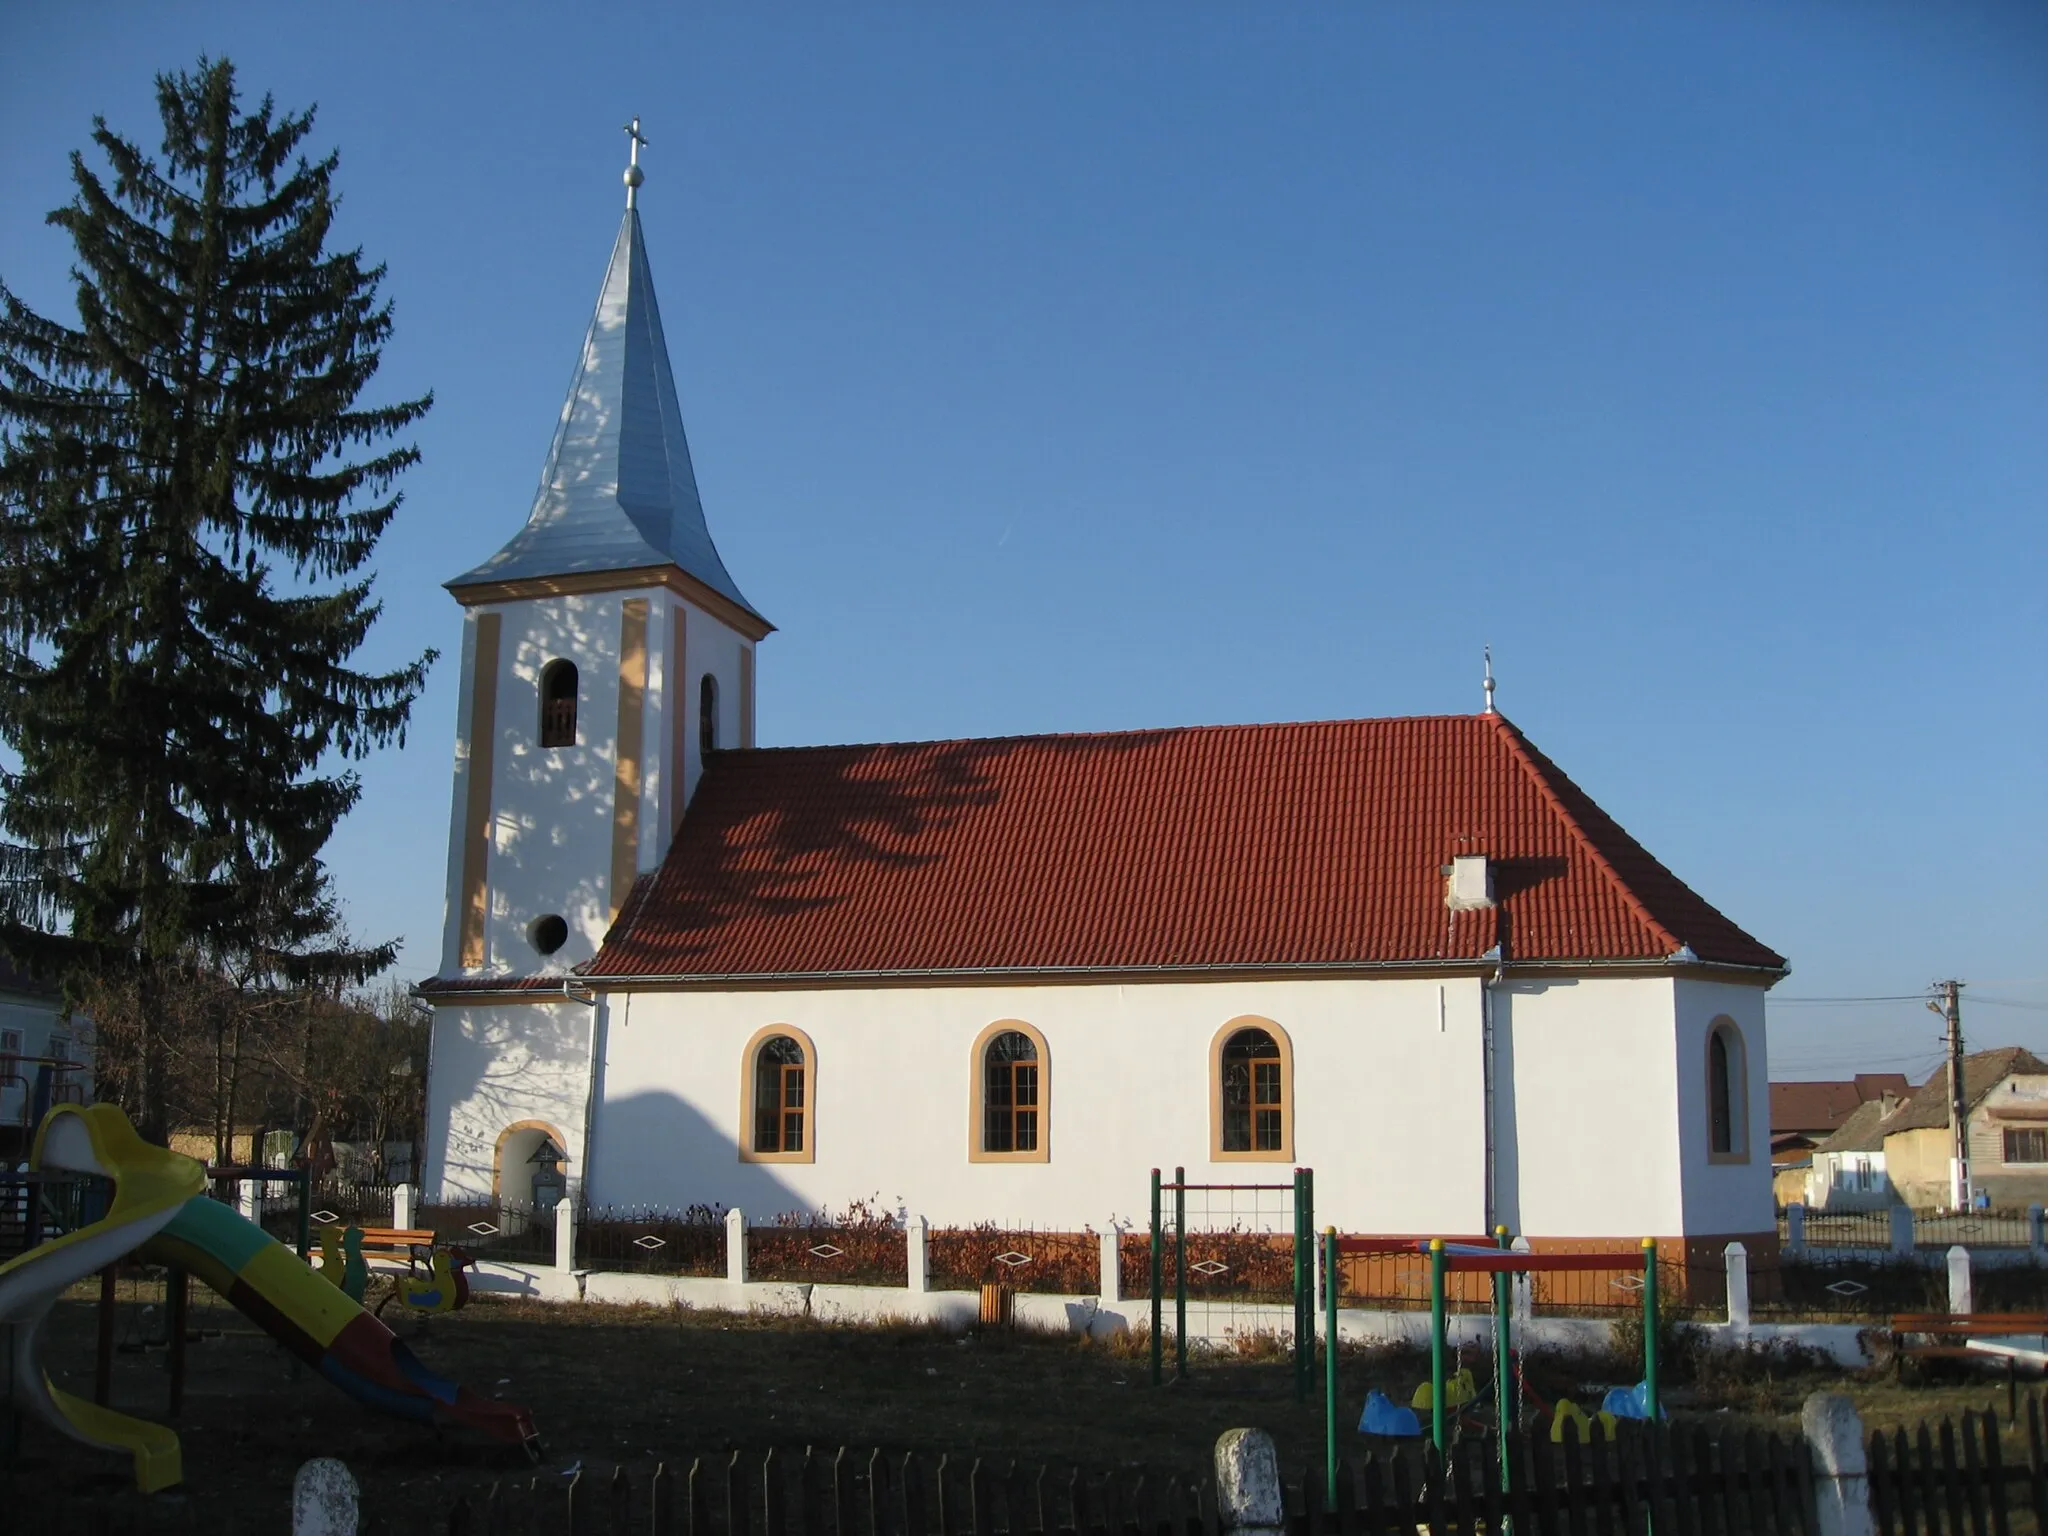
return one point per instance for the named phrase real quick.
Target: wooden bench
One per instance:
(1947, 1336)
(396, 1244)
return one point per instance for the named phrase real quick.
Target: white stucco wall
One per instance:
(1386, 1084)
(1600, 1105)
(553, 809)
(1724, 1196)
(494, 1066)
(1586, 1104)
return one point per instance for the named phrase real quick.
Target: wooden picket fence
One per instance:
(1679, 1480)
(1946, 1479)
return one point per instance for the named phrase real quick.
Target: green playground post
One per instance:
(1503, 1357)
(1157, 1279)
(1180, 1274)
(1329, 1364)
(1436, 1343)
(1650, 1328)
(1304, 1282)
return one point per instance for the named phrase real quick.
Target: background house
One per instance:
(1847, 1170)
(2005, 1094)
(1803, 1115)
(38, 1039)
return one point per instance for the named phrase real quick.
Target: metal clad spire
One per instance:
(618, 491)
(1489, 680)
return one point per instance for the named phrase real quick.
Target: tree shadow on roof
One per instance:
(777, 832)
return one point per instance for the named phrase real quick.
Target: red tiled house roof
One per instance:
(1208, 848)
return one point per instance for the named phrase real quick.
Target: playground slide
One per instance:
(161, 1210)
(151, 1187)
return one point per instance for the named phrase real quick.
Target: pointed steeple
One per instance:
(618, 492)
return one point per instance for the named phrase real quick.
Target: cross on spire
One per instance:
(634, 175)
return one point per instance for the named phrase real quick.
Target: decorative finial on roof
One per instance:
(1489, 680)
(633, 173)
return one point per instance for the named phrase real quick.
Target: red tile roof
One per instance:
(1210, 847)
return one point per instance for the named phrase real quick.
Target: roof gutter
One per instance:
(1487, 965)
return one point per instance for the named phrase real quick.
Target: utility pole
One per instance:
(1958, 1111)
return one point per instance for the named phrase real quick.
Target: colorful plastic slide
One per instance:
(160, 1210)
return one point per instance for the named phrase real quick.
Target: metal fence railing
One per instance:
(1023, 1258)
(1872, 1229)
(861, 1248)
(485, 1228)
(649, 1240)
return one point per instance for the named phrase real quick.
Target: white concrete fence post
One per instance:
(736, 1247)
(1795, 1228)
(565, 1234)
(1902, 1229)
(2036, 1238)
(324, 1499)
(1959, 1280)
(1841, 1474)
(1248, 1484)
(1109, 1261)
(1737, 1258)
(917, 1254)
(404, 1202)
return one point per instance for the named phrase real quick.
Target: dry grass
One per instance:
(634, 1385)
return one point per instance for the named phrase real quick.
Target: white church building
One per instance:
(1001, 980)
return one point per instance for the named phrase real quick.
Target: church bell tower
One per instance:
(606, 652)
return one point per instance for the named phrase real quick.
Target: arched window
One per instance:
(1727, 1094)
(778, 1097)
(707, 716)
(1010, 1105)
(1252, 1092)
(558, 704)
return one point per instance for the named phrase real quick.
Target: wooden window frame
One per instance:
(1737, 1051)
(977, 1098)
(2005, 1143)
(748, 1072)
(1284, 1153)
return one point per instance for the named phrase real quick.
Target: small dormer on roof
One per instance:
(618, 492)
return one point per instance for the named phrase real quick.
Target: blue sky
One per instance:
(1074, 367)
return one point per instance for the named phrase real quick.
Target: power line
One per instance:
(1903, 997)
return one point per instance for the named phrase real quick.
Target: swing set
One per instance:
(1501, 1263)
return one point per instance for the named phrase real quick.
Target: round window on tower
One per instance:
(548, 934)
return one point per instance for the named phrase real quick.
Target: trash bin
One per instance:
(998, 1304)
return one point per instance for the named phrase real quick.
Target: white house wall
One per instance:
(495, 1067)
(1587, 1083)
(1595, 1135)
(35, 1019)
(1724, 1196)
(1387, 1103)
(551, 835)
(553, 809)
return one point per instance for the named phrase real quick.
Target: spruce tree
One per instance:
(190, 491)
